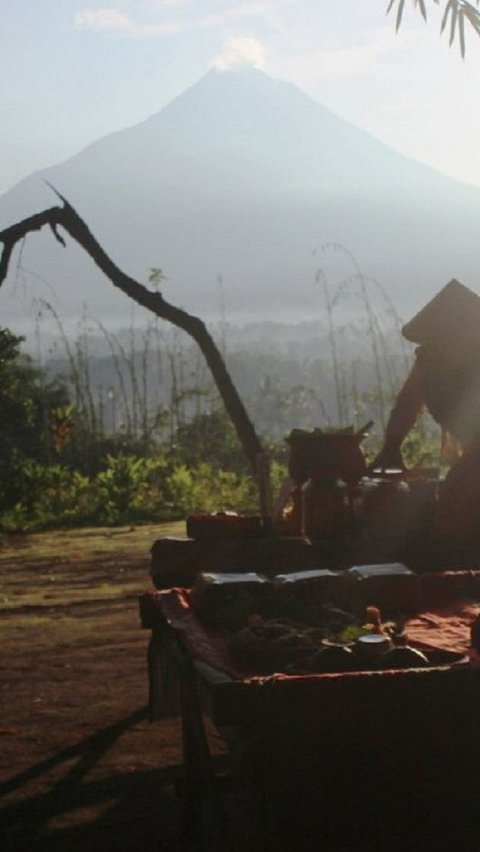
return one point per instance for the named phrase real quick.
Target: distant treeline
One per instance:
(108, 428)
(153, 380)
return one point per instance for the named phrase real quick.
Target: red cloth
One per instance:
(447, 628)
(203, 644)
(444, 628)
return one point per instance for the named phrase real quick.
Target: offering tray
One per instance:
(307, 739)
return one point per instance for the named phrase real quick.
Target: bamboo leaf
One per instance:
(445, 17)
(472, 16)
(461, 30)
(401, 6)
(453, 21)
(422, 7)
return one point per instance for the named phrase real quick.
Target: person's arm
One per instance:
(286, 489)
(403, 417)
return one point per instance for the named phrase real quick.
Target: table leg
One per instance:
(203, 822)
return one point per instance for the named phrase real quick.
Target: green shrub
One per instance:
(205, 489)
(128, 490)
(52, 496)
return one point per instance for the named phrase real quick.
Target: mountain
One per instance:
(245, 177)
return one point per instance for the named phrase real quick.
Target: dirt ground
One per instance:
(81, 768)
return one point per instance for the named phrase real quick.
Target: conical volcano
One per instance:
(244, 177)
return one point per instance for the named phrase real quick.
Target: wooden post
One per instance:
(264, 487)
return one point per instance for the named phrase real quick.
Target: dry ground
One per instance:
(81, 769)
(80, 766)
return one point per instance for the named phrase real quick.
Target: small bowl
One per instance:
(369, 648)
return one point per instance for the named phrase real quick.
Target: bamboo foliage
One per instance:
(457, 14)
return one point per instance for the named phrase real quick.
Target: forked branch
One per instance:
(68, 219)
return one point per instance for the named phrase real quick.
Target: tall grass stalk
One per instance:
(370, 319)
(321, 278)
(74, 376)
(112, 343)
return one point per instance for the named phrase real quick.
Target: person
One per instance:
(445, 380)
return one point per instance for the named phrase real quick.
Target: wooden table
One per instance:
(177, 561)
(323, 760)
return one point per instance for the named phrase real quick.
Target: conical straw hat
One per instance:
(450, 321)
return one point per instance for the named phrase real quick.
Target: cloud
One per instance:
(111, 19)
(108, 19)
(255, 9)
(159, 4)
(238, 52)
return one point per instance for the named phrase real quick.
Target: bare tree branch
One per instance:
(67, 218)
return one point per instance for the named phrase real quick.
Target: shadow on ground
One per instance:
(130, 811)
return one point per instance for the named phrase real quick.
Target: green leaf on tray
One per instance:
(351, 633)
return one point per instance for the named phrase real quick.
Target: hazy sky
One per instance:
(76, 70)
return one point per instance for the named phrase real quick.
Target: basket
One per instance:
(224, 525)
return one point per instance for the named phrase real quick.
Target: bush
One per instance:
(212, 438)
(203, 488)
(53, 496)
(26, 400)
(129, 489)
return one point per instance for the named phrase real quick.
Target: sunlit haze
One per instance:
(74, 72)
